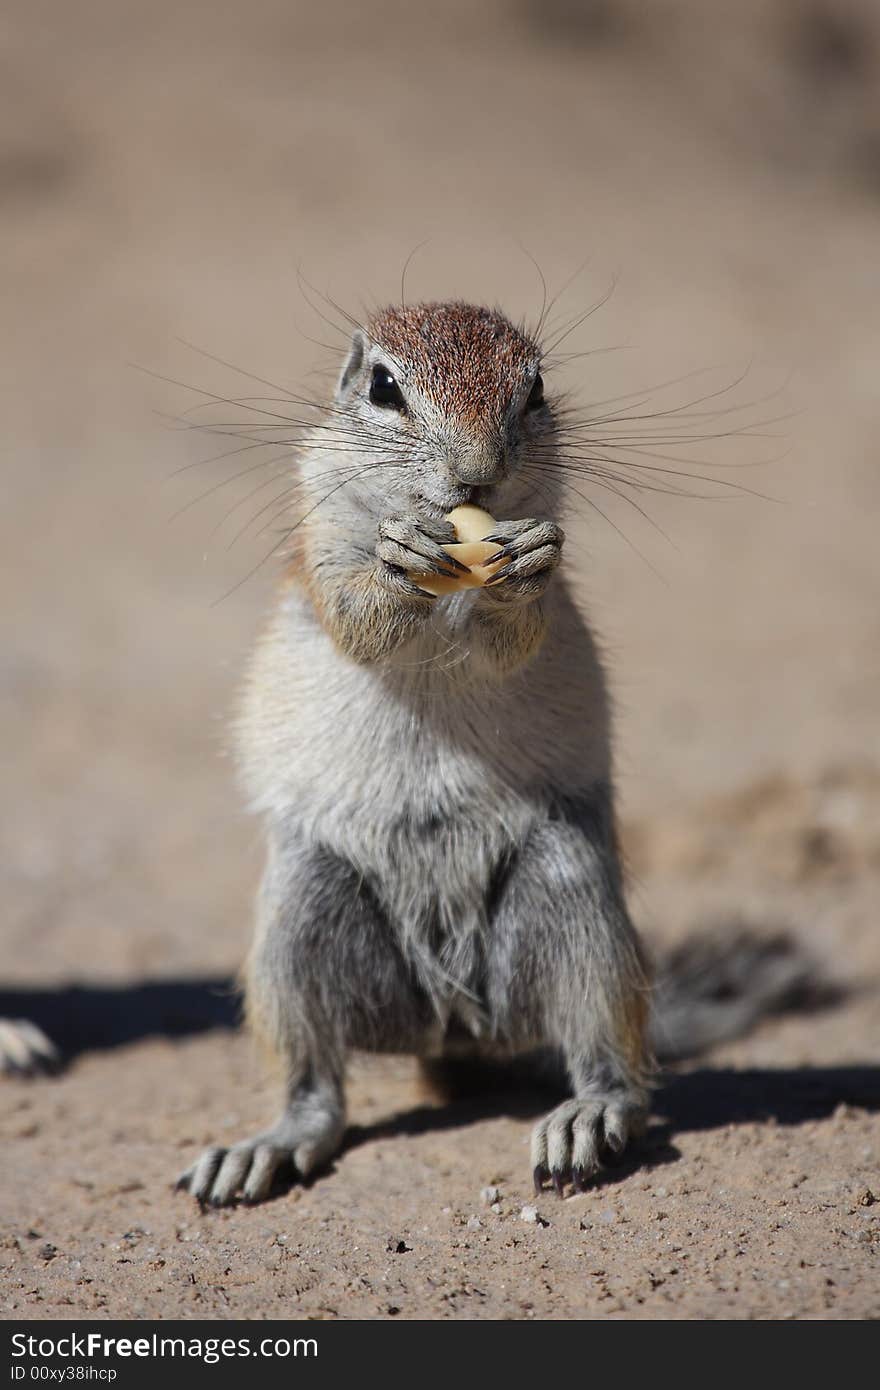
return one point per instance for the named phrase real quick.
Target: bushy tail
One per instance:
(719, 984)
(716, 986)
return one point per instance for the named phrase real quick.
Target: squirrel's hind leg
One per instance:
(306, 1135)
(325, 974)
(565, 970)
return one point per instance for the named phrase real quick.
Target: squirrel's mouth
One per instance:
(456, 496)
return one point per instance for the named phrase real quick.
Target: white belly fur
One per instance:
(351, 752)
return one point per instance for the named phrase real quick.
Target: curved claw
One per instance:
(569, 1143)
(412, 544)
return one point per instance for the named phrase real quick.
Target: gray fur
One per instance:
(720, 984)
(25, 1051)
(435, 775)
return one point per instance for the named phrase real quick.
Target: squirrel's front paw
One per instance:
(534, 548)
(414, 545)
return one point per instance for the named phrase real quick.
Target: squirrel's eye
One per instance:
(384, 390)
(536, 395)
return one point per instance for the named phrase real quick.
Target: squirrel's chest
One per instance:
(343, 738)
(347, 746)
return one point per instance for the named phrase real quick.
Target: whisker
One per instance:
(288, 490)
(225, 482)
(648, 391)
(582, 318)
(218, 458)
(624, 537)
(246, 402)
(267, 482)
(406, 265)
(678, 411)
(221, 361)
(304, 284)
(185, 385)
(536, 333)
(725, 483)
(344, 313)
(566, 285)
(564, 358)
(583, 468)
(285, 537)
(602, 480)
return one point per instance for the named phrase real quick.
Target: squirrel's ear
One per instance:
(353, 364)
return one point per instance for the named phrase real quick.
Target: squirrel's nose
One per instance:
(480, 466)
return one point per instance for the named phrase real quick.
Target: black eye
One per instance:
(536, 395)
(384, 390)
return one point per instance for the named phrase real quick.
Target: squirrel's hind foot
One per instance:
(248, 1171)
(569, 1144)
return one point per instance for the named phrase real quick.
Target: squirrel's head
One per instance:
(452, 395)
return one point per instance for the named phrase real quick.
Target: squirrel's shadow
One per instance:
(95, 1018)
(700, 1099)
(525, 1103)
(88, 1018)
(92, 1018)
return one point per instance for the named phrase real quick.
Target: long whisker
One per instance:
(232, 366)
(406, 265)
(289, 490)
(539, 327)
(624, 537)
(225, 482)
(726, 483)
(582, 318)
(595, 468)
(564, 358)
(218, 458)
(566, 285)
(678, 411)
(252, 492)
(606, 481)
(652, 390)
(285, 536)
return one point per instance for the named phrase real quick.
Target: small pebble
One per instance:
(529, 1214)
(489, 1195)
(474, 1223)
(496, 1207)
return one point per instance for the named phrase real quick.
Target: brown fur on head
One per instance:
(454, 390)
(437, 405)
(471, 362)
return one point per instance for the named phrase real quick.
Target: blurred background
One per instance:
(171, 171)
(186, 172)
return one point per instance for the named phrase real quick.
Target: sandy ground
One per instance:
(164, 171)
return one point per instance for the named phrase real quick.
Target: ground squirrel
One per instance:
(435, 772)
